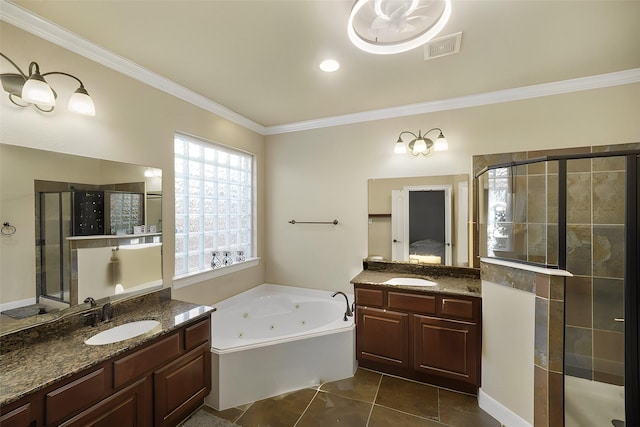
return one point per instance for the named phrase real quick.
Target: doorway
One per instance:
(421, 224)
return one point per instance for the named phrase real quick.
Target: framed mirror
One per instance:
(83, 227)
(419, 219)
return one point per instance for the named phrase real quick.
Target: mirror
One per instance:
(419, 219)
(83, 227)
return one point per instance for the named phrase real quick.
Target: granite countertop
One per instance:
(450, 280)
(35, 359)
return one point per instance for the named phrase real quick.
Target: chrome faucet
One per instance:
(98, 315)
(349, 312)
(107, 312)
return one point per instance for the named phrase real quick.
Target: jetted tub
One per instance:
(275, 339)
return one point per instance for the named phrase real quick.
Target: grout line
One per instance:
(438, 401)
(308, 405)
(375, 397)
(243, 412)
(422, 417)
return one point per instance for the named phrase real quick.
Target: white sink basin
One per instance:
(410, 281)
(123, 332)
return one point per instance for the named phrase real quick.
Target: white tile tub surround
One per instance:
(275, 339)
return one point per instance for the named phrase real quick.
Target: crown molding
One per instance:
(25, 20)
(516, 94)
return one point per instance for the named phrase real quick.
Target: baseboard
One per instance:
(500, 412)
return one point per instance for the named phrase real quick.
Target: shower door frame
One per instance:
(632, 293)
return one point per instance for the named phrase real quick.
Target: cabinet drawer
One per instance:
(79, 394)
(457, 308)
(412, 302)
(372, 297)
(130, 406)
(19, 417)
(197, 334)
(141, 362)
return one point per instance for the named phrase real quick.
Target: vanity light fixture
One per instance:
(393, 26)
(420, 144)
(32, 90)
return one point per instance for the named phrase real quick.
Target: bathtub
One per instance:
(275, 339)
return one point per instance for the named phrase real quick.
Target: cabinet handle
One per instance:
(618, 319)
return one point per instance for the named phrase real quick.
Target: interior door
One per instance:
(399, 217)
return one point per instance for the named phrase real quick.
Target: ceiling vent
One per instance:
(443, 46)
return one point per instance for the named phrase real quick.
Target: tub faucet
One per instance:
(347, 313)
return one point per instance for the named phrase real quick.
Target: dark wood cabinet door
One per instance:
(129, 407)
(69, 399)
(446, 347)
(21, 416)
(383, 336)
(181, 386)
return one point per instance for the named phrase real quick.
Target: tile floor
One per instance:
(368, 399)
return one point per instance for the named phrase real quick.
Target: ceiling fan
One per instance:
(394, 26)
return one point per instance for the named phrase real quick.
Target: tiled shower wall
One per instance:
(594, 342)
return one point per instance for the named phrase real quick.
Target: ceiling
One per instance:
(260, 58)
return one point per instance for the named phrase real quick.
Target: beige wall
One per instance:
(134, 123)
(321, 175)
(508, 326)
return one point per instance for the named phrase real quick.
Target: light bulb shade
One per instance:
(441, 144)
(37, 91)
(420, 146)
(81, 103)
(399, 147)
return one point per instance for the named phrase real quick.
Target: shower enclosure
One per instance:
(578, 213)
(66, 209)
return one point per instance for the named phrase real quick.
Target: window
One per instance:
(214, 205)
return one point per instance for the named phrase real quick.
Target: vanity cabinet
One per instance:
(429, 337)
(157, 384)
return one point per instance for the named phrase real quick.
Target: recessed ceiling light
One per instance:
(329, 65)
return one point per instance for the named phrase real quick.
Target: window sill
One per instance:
(195, 278)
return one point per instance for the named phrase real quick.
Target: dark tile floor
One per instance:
(367, 399)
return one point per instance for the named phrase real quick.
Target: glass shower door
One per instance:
(594, 296)
(55, 227)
